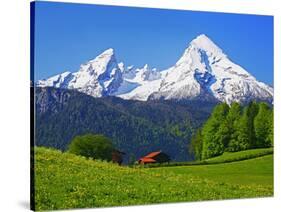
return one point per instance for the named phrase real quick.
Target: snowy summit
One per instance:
(203, 72)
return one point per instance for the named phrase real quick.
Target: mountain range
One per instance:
(203, 72)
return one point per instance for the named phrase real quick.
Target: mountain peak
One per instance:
(99, 63)
(145, 67)
(109, 51)
(202, 37)
(203, 42)
(121, 66)
(202, 45)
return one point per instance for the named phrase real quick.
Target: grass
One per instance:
(242, 155)
(63, 180)
(258, 171)
(226, 157)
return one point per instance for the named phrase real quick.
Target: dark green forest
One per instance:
(135, 127)
(185, 130)
(234, 128)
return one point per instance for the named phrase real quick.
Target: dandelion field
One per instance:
(64, 181)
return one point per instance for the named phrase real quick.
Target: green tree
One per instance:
(94, 146)
(243, 136)
(251, 112)
(212, 142)
(263, 126)
(240, 139)
(227, 131)
(271, 128)
(195, 147)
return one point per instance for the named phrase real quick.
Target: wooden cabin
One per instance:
(154, 157)
(117, 156)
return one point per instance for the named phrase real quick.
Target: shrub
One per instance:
(94, 146)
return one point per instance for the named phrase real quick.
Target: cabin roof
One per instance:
(147, 160)
(152, 154)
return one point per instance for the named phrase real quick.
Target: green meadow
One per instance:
(64, 180)
(258, 171)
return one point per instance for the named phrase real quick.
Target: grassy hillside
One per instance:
(241, 155)
(226, 157)
(256, 172)
(67, 181)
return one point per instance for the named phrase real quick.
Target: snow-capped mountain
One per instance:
(99, 77)
(202, 71)
(205, 69)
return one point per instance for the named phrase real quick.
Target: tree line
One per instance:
(234, 128)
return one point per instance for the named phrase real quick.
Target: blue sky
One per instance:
(67, 35)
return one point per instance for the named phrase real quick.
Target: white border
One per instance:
(235, 6)
(14, 111)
